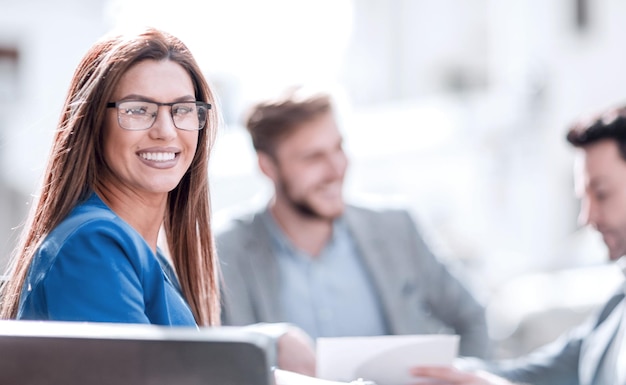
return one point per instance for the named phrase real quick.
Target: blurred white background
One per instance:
(456, 109)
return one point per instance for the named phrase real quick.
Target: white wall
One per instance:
(51, 37)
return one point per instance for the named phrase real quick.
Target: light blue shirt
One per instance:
(331, 295)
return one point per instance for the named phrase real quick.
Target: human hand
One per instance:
(452, 376)
(296, 352)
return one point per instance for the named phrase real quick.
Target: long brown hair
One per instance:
(76, 162)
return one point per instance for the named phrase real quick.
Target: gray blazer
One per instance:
(418, 293)
(574, 359)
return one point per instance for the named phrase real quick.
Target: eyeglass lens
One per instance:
(141, 115)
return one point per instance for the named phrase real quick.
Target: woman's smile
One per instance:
(159, 158)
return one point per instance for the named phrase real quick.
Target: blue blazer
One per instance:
(95, 267)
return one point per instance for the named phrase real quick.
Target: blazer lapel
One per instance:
(597, 346)
(264, 270)
(388, 281)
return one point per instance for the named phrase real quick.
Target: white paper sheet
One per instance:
(383, 359)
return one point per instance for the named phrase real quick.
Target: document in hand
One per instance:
(385, 360)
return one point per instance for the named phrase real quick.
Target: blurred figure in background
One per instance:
(595, 352)
(333, 269)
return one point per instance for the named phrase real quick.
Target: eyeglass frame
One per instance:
(170, 104)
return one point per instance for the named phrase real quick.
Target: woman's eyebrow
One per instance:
(185, 98)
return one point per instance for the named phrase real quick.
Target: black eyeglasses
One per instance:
(138, 115)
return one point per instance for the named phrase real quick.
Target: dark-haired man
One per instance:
(332, 269)
(595, 352)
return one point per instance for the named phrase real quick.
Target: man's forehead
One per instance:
(598, 162)
(586, 174)
(320, 132)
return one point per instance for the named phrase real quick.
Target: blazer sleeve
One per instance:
(553, 364)
(236, 272)
(448, 298)
(94, 275)
(560, 362)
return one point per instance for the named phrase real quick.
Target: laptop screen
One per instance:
(38, 352)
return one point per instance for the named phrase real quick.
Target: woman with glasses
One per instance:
(129, 161)
(129, 156)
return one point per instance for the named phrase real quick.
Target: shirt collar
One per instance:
(281, 240)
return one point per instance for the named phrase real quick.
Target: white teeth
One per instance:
(158, 156)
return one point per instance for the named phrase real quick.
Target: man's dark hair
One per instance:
(609, 125)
